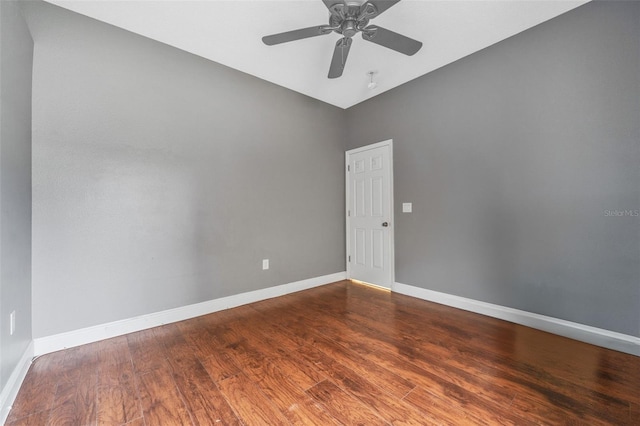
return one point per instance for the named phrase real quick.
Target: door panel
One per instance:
(377, 244)
(359, 246)
(360, 201)
(377, 197)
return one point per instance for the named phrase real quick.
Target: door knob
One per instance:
(385, 224)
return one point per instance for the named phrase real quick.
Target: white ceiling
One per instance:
(230, 32)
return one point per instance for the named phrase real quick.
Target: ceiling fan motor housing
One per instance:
(349, 28)
(348, 19)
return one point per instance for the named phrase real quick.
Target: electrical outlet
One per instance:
(12, 323)
(265, 264)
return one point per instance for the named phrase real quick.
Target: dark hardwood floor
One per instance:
(338, 354)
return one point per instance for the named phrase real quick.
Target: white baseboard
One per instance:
(584, 333)
(44, 345)
(12, 387)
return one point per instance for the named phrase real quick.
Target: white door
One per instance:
(370, 214)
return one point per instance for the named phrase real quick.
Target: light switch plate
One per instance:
(407, 207)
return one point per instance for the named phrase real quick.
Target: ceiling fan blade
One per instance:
(339, 59)
(380, 7)
(391, 40)
(270, 40)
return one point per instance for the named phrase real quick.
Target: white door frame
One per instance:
(392, 261)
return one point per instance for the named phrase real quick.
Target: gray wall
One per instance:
(161, 179)
(16, 56)
(512, 157)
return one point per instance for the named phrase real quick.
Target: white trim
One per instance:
(347, 198)
(12, 387)
(82, 336)
(584, 333)
(392, 257)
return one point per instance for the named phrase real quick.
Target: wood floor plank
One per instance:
(544, 411)
(201, 396)
(634, 412)
(332, 323)
(136, 422)
(391, 409)
(147, 353)
(536, 384)
(118, 401)
(195, 331)
(161, 401)
(597, 405)
(114, 351)
(38, 389)
(38, 418)
(441, 410)
(473, 401)
(380, 376)
(75, 403)
(279, 351)
(329, 339)
(250, 404)
(343, 406)
(219, 366)
(432, 373)
(274, 380)
(343, 353)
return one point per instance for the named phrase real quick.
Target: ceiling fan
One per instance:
(348, 18)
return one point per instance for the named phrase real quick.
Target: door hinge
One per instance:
(349, 258)
(349, 213)
(348, 168)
